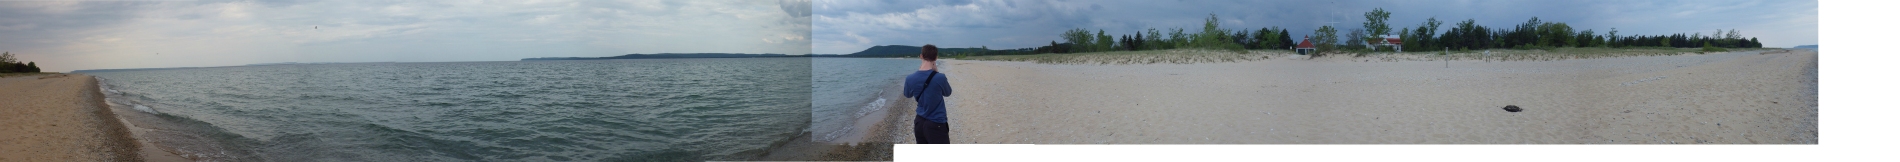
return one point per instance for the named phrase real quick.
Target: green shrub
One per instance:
(1710, 48)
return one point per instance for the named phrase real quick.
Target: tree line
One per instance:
(1538, 34)
(8, 64)
(1463, 35)
(1211, 36)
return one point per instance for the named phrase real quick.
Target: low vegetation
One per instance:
(8, 64)
(1190, 56)
(1708, 48)
(6, 75)
(1171, 56)
(1537, 54)
(1534, 39)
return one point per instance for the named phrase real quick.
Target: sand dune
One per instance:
(1725, 98)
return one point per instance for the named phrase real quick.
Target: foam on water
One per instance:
(874, 106)
(143, 108)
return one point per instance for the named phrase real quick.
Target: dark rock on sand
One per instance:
(1512, 108)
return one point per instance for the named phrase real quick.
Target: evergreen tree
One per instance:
(1527, 33)
(1754, 42)
(1286, 40)
(1406, 39)
(1055, 48)
(1258, 40)
(1583, 38)
(1103, 42)
(1268, 38)
(1139, 40)
(1239, 37)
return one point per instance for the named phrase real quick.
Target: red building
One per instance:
(1387, 41)
(1306, 45)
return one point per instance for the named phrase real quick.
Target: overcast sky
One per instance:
(66, 36)
(846, 26)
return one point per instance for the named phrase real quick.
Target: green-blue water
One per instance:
(611, 110)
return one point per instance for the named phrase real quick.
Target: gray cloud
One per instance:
(796, 8)
(67, 35)
(92, 35)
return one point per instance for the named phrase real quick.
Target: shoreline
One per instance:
(127, 139)
(882, 130)
(875, 135)
(148, 149)
(1741, 97)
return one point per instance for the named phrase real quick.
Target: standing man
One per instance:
(928, 87)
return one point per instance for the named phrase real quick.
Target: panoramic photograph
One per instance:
(877, 80)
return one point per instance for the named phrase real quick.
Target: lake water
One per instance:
(613, 110)
(847, 89)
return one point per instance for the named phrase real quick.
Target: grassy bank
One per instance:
(1191, 56)
(3, 75)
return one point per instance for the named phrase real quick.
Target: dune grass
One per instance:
(4, 75)
(1537, 54)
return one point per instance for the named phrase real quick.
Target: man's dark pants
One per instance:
(929, 132)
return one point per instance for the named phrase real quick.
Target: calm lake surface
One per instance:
(614, 110)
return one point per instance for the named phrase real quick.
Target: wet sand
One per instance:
(60, 117)
(1746, 97)
(872, 139)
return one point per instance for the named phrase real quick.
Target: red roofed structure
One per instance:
(1305, 45)
(1387, 41)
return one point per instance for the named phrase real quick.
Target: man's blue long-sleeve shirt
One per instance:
(929, 99)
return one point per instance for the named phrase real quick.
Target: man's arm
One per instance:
(946, 85)
(907, 89)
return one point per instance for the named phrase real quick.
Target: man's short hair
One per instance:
(930, 52)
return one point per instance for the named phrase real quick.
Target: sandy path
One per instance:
(59, 117)
(1735, 98)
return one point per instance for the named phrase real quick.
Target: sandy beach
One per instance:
(64, 117)
(60, 117)
(1744, 97)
